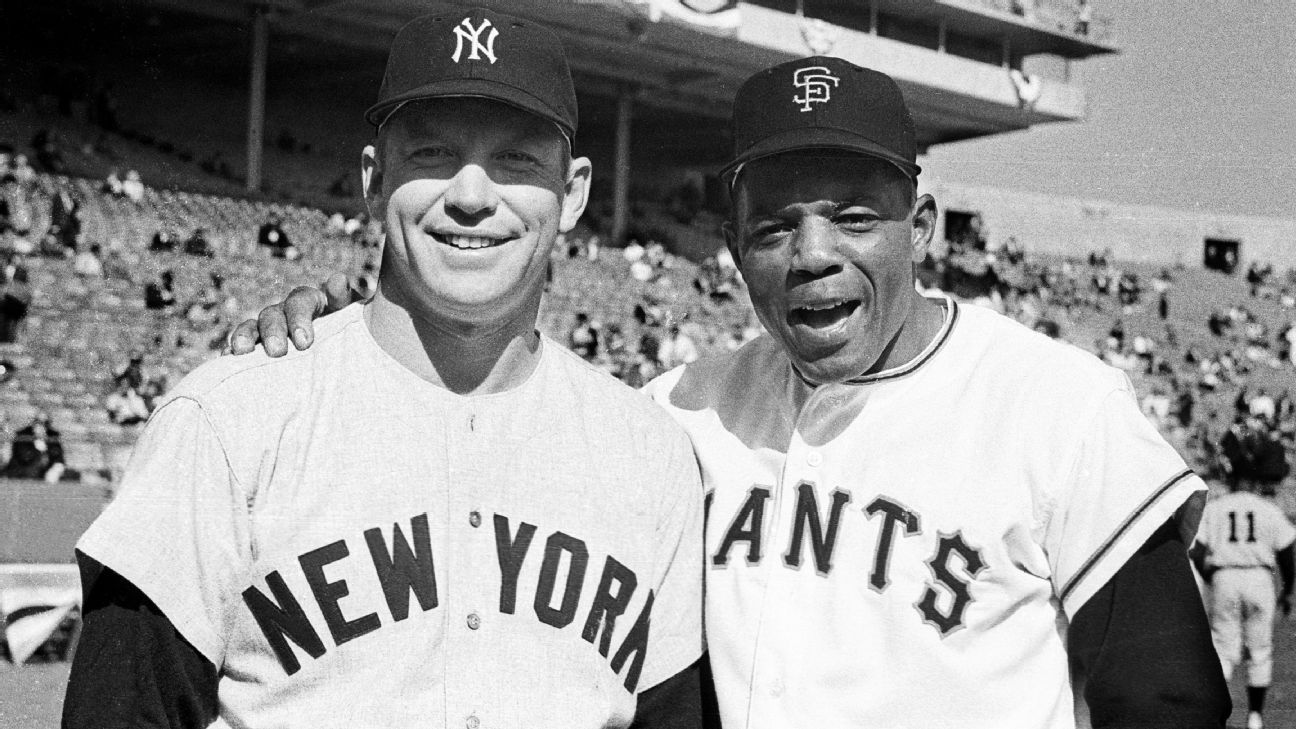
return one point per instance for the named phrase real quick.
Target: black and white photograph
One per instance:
(647, 364)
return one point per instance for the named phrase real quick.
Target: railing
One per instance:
(1063, 16)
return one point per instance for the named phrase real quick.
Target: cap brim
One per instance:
(794, 140)
(378, 114)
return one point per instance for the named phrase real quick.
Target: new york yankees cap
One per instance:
(822, 102)
(458, 51)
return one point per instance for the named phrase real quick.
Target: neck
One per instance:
(924, 322)
(466, 358)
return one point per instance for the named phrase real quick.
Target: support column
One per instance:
(256, 95)
(621, 165)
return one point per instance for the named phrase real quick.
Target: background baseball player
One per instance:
(919, 514)
(436, 517)
(1243, 538)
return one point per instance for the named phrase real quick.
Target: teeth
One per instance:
(821, 307)
(465, 241)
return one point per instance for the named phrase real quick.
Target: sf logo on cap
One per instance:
(466, 32)
(816, 84)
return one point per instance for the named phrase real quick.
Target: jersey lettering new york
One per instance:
(405, 567)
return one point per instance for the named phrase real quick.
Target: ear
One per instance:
(730, 230)
(575, 193)
(924, 227)
(371, 180)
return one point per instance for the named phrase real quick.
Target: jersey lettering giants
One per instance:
(953, 563)
(906, 549)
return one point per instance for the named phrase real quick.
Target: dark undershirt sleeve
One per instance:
(132, 668)
(1143, 645)
(675, 703)
(1286, 568)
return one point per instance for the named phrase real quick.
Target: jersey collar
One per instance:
(951, 309)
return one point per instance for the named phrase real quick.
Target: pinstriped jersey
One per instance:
(352, 546)
(1243, 529)
(905, 550)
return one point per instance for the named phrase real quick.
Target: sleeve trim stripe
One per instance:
(1115, 537)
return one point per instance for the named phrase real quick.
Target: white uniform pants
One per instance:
(1242, 618)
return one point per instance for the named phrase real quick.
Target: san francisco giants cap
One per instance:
(822, 103)
(457, 51)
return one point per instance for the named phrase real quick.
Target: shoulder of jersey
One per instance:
(599, 383)
(1028, 355)
(242, 375)
(756, 366)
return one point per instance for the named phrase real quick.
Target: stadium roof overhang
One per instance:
(677, 71)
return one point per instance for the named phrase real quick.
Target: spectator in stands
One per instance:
(272, 236)
(584, 337)
(115, 262)
(132, 188)
(126, 406)
(676, 349)
(1084, 16)
(88, 263)
(15, 300)
(6, 216)
(160, 294)
(37, 452)
(18, 206)
(24, 172)
(198, 245)
(65, 218)
(1251, 454)
(132, 375)
(48, 155)
(112, 184)
(163, 241)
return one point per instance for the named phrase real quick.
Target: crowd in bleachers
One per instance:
(112, 289)
(1212, 374)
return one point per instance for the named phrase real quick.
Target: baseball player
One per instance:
(920, 514)
(436, 516)
(1242, 539)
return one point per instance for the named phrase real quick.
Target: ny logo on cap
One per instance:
(466, 32)
(816, 84)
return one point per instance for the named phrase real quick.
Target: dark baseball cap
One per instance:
(457, 51)
(822, 103)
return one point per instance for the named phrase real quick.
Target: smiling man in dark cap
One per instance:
(920, 514)
(510, 538)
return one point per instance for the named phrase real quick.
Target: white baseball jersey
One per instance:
(1242, 530)
(352, 546)
(905, 550)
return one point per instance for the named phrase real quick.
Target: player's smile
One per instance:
(468, 240)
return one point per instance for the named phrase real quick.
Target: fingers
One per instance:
(337, 290)
(304, 304)
(273, 330)
(243, 337)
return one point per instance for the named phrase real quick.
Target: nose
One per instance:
(814, 248)
(471, 193)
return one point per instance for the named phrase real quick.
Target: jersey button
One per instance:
(473, 722)
(814, 459)
(474, 622)
(474, 518)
